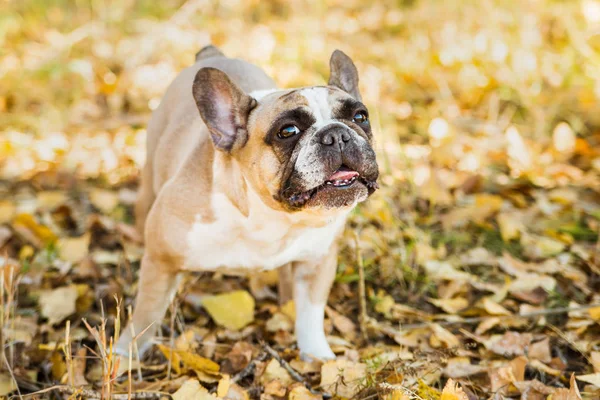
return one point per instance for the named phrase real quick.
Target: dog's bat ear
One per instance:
(343, 74)
(224, 107)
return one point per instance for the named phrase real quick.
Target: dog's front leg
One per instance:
(312, 282)
(156, 289)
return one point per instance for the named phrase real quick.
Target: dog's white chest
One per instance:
(266, 239)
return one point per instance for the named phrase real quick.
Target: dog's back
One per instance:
(176, 126)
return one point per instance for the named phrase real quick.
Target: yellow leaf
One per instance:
(7, 211)
(104, 200)
(384, 303)
(190, 360)
(74, 249)
(540, 246)
(493, 308)
(39, 235)
(490, 201)
(452, 391)
(426, 392)
(510, 226)
(50, 199)
(7, 384)
(223, 386)
(595, 313)
(289, 309)
(451, 306)
(232, 310)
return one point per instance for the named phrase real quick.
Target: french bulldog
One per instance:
(244, 176)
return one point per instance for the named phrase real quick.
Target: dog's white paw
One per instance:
(315, 346)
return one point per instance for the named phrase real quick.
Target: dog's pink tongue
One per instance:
(342, 175)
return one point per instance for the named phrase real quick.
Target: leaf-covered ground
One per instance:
(476, 267)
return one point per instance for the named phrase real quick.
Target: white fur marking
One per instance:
(310, 333)
(259, 94)
(317, 101)
(266, 239)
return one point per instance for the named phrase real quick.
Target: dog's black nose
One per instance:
(333, 135)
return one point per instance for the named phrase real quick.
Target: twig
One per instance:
(249, 369)
(362, 297)
(293, 373)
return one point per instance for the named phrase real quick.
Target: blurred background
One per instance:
(487, 122)
(79, 78)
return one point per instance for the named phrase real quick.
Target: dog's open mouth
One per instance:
(343, 178)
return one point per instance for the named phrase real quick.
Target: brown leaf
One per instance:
(510, 344)
(502, 378)
(239, 357)
(540, 351)
(461, 367)
(342, 323)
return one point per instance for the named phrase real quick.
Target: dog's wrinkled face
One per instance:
(321, 138)
(308, 148)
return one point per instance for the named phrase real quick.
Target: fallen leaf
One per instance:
(540, 351)
(493, 308)
(510, 344)
(7, 211)
(502, 378)
(279, 322)
(461, 367)
(223, 386)
(239, 357)
(594, 379)
(35, 233)
(343, 377)
(451, 306)
(445, 336)
(232, 310)
(192, 390)
(595, 358)
(50, 199)
(74, 249)
(104, 200)
(300, 392)
(7, 384)
(511, 225)
(275, 371)
(190, 361)
(275, 388)
(452, 391)
(5, 235)
(342, 323)
(539, 247)
(58, 304)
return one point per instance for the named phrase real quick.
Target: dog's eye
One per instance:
(288, 131)
(360, 117)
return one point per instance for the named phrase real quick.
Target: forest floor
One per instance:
(473, 273)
